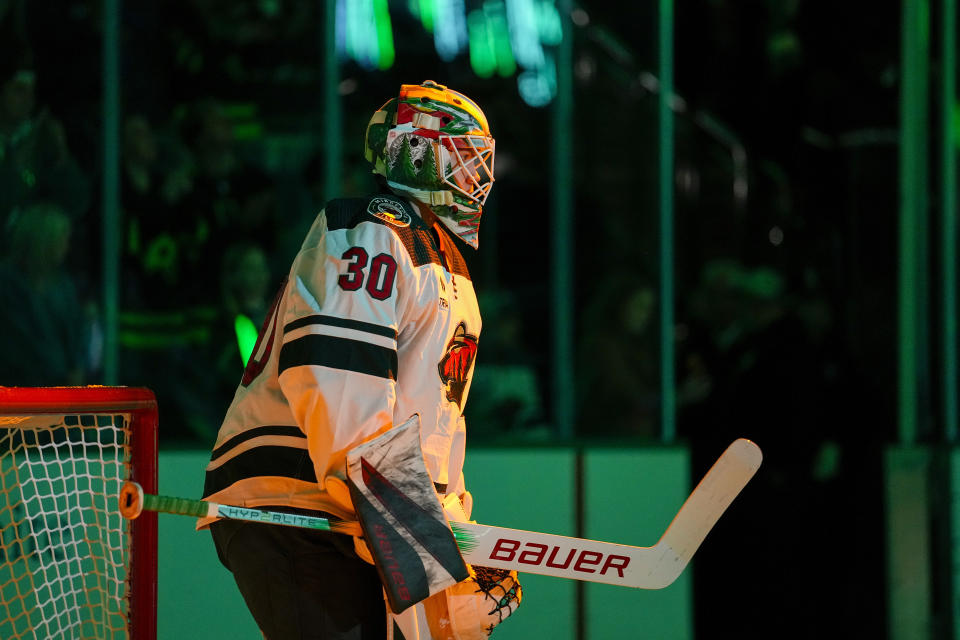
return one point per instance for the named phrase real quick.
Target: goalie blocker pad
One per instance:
(404, 526)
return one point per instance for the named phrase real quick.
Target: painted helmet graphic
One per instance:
(434, 144)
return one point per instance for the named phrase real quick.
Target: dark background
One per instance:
(786, 211)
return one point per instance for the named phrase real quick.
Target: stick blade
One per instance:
(716, 491)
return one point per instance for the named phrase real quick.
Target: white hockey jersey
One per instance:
(377, 320)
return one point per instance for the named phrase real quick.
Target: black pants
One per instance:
(301, 584)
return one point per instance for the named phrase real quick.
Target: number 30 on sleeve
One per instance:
(379, 280)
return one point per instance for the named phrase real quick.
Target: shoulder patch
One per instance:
(389, 210)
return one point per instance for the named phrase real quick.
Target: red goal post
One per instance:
(70, 565)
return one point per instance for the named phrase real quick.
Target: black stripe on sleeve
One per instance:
(255, 433)
(283, 462)
(339, 353)
(343, 323)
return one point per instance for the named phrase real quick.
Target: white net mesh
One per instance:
(64, 548)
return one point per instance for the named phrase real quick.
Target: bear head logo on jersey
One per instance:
(456, 363)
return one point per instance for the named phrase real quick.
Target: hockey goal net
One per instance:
(70, 565)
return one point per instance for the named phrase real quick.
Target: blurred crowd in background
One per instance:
(785, 198)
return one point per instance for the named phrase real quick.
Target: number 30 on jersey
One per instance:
(378, 280)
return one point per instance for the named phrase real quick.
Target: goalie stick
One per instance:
(529, 551)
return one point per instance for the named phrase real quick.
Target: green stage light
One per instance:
(548, 23)
(246, 336)
(524, 35)
(483, 58)
(425, 10)
(538, 87)
(449, 28)
(360, 42)
(499, 30)
(369, 34)
(384, 34)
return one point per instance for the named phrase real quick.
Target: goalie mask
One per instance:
(433, 144)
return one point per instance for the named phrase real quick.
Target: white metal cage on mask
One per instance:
(468, 165)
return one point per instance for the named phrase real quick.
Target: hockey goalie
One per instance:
(376, 321)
